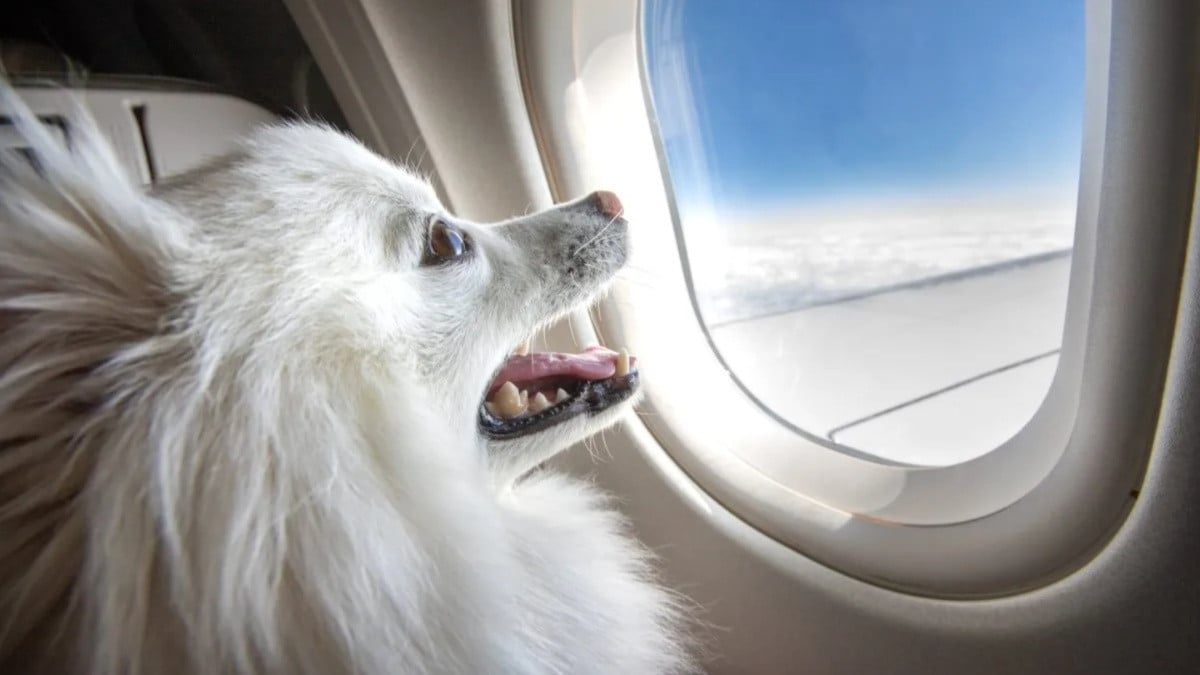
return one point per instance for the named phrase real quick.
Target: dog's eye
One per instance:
(446, 243)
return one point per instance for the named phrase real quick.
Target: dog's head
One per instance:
(321, 247)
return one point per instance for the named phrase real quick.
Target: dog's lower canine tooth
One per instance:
(508, 401)
(561, 395)
(539, 403)
(623, 363)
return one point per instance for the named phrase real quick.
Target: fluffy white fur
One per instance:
(238, 427)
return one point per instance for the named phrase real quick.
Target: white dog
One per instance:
(253, 422)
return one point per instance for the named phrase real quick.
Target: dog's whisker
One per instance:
(589, 445)
(413, 146)
(604, 441)
(421, 161)
(596, 236)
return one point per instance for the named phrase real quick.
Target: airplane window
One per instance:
(877, 202)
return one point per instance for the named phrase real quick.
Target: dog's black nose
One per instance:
(608, 203)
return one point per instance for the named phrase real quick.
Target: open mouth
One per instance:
(533, 392)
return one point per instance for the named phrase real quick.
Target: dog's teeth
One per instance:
(561, 396)
(524, 398)
(490, 408)
(522, 349)
(539, 403)
(508, 401)
(623, 363)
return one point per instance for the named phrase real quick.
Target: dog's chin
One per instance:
(513, 457)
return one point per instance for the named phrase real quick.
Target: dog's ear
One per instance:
(83, 292)
(84, 282)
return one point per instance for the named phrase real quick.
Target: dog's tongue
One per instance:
(595, 363)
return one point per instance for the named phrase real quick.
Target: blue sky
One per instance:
(813, 99)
